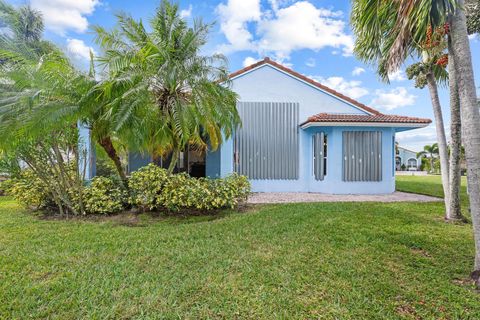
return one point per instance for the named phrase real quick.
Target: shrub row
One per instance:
(150, 188)
(153, 189)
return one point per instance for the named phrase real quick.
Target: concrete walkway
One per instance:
(295, 197)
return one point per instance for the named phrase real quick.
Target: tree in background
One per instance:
(430, 151)
(159, 84)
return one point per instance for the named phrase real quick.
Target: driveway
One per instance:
(295, 197)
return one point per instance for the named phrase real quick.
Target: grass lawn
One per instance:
(431, 186)
(324, 260)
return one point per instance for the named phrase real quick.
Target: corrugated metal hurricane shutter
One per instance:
(266, 146)
(318, 156)
(362, 156)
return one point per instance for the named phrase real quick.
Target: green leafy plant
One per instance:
(184, 192)
(104, 196)
(152, 188)
(29, 190)
(146, 185)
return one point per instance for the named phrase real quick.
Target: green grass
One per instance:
(325, 260)
(431, 186)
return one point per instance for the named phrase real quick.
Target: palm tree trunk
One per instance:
(460, 51)
(173, 160)
(441, 137)
(107, 145)
(455, 210)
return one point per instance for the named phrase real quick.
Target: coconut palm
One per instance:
(412, 19)
(159, 84)
(376, 28)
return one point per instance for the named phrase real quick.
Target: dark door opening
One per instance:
(191, 162)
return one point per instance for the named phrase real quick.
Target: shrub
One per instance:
(180, 191)
(30, 191)
(146, 186)
(104, 196)
(184, 192)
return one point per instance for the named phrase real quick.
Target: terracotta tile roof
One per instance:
(306, 79)
(378, 118)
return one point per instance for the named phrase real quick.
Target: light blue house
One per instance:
(300, 136)
(406, 159)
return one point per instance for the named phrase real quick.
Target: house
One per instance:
(406, 160)
(297, 135)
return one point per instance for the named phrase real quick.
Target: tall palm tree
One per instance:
(376, 29)
(461, 54)
(431, 151)
(410, 21)
(159, 83)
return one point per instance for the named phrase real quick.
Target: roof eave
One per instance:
(309, 124)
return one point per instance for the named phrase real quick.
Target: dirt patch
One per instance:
(421, 252)
(407, 310)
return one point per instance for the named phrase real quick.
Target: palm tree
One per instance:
(411, 20)
(376, 28)
(431, 151)
(159, 84)
(25, 23)
(461, 54)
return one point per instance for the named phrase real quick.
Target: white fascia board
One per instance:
(364, 124)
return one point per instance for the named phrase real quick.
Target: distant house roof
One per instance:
(400, 147)
(373, 117)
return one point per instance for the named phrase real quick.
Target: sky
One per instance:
(312, 37)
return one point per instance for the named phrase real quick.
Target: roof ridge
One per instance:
(300, 76)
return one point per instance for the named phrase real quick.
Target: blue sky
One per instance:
(313, 37)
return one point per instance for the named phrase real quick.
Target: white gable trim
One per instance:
(302, 81)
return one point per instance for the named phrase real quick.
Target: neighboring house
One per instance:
(407, 159)
(297, 135)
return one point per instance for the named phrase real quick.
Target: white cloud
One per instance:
(186, 13)
(398, 75)
(249, 61)
(357, 71)
(63, 15)
(352, 89)
(234, 17)
(78, 49)
(393, 99)
(281, 30)
(303, 26)
(418, 138)
(310, 62)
